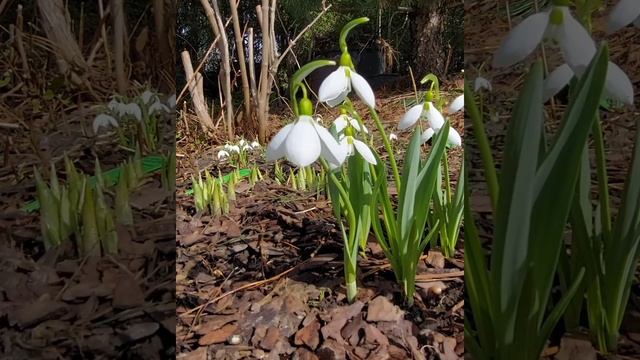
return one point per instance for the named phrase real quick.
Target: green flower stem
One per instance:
(603, 182)
(483, 145)
(387, 145)
(350, 259)
(345, 31)
(447, 179)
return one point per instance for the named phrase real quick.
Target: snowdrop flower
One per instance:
(393, 137)
(426, 109)
(115, 106)
(103, 120)
(457, 104)
(242, 142)
(435, 119)
(351, 145)
(335, 88)
(222, 154)
(234, 148)
(132, 109)
(158, 107)
(577, 46)
(246, 147)
(147, 96)
(617, 84)
(453, 138)
(624, 13)
(255, 145)
(556, 24)
(482, 83)
(344, 120)
(303, 142)
(172, 101)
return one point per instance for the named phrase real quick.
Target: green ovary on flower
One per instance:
(556, 17)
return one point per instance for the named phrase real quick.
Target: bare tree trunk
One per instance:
(213, 15)
(430, 55)
(119, 38)
(161, 32)
(69, 56)
(252, 70)
(241, 59)
(264, 85)
(195, 88)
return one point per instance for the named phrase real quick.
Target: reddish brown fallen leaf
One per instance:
(309, 335)
(573, 348)
(381, 309)
(218, 336)
(271, 338)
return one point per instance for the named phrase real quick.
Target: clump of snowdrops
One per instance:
(356, 174)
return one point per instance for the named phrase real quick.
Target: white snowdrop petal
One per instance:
(578, 48)
(302, 146)
(334, 85)
(103, 120)
(481, 83)
(436, 120)
(275, 149)
(426, 135)
(222, 154)
(453, 138)
(457, 104)
(556, 81)
(363, 89)
(172, 101)
(411, 117)
(134, 110)
(364, 151)
(624, 13)
(617, 84)
(340, 123)
(393, 137)
(521, 41)
(330, 149)
(339, 99)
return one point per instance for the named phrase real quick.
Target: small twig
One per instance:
(66, 285)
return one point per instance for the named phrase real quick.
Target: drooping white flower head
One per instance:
(242, 142)
(234, 148)
(577, 47)
(556, 24)
(393, 137)
(344, 120)
(223, 154)
(457, 104)
(435, 119)
(335, 88)
(171, 101)
(428, 110)
(157, 107)
(303, 142)
(147, 96)
(103, 120)
(482, 83)
(624, 13)
(255, 145)
(132, 109)
(351, 145)
(246, 147)
(617, 84)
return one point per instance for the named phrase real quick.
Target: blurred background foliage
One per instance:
(396, 32)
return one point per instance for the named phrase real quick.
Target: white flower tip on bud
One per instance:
(393, 137)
